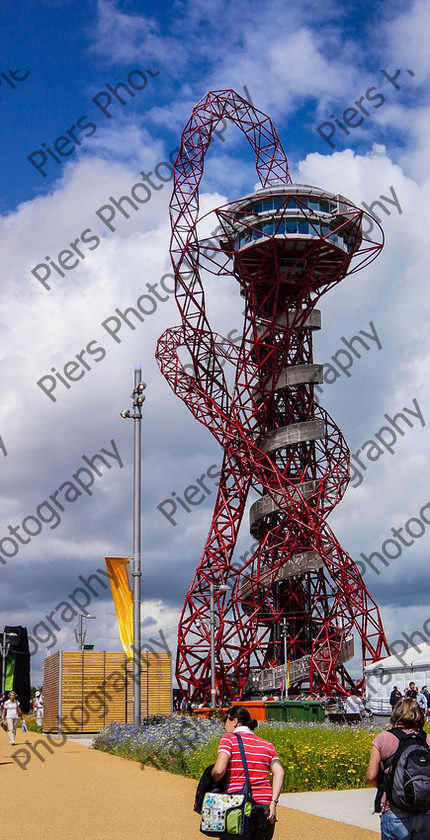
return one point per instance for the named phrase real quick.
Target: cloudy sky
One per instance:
(73, 263)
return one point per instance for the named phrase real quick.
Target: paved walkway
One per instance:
(353, 807)
(70, 792)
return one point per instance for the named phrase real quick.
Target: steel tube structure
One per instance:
(285, 245)
(212, 642)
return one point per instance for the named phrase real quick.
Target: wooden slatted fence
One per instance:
(84, 691)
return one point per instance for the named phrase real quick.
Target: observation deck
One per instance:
(295, 233)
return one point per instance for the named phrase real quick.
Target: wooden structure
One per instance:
(84, 691)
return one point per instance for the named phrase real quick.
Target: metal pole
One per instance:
(212, 629)
(147, 683)
(284, 633)
(80, 639)
(136, 574)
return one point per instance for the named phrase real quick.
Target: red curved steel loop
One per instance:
(286, 245)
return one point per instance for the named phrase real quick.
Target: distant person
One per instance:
(422, 702)
(412, 691)
(11, 713)
(354, 705)
(398, 823)
(39, 708)
(426, 693)
(395, 696)
(261, 758)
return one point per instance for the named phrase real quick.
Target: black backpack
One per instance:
(407, 782)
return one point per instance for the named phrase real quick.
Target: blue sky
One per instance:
(299, 64)
(72, 51)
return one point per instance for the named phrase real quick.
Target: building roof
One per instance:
(415, 657)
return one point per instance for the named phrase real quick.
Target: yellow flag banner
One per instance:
(288, 672)
(122, 599)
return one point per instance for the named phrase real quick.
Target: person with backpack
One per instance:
(399, 767)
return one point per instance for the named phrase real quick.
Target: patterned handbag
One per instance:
(228, 813)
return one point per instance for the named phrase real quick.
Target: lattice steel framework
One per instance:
(286, 245)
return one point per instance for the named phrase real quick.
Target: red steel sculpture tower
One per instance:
(285, 244)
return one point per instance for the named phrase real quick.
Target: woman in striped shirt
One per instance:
(261, 758)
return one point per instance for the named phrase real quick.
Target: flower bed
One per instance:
(314, 756)
(166, 743)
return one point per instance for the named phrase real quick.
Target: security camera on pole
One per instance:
(138, 398)
(80, 633)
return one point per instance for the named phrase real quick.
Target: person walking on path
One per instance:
(11, 711)
(261, 758)
(427, 696)
(412, 691)
(38, 707)
(395, 696)
(396, 823)
(422, 701)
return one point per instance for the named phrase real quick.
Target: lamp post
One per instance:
(80, 634)
(138, 398)
(213, 589)
(284, 631)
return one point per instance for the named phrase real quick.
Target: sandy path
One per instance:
(77, 793)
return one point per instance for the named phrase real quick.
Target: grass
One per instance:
(314, 756)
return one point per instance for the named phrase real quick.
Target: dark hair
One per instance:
(408, 713)
(241, 714)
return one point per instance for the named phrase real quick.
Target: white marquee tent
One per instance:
(399, 669)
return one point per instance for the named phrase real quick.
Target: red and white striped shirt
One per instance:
(259, 756)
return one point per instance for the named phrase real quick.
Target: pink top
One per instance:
(386, 743)
(259, 756)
